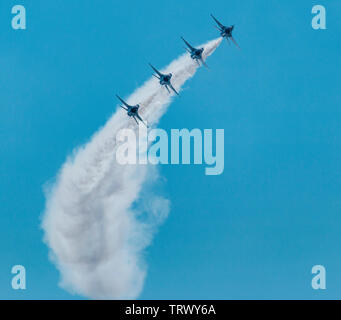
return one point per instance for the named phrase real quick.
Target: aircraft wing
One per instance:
(218, 23)
(159, 73)
(188, 45)
(138, 117)
(127, 105)
(204, 63)
(173, 89)
(234, 41)
(135, 120)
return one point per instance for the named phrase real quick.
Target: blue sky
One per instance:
(253, 232)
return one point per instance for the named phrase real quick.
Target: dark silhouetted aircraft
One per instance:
(132, 111)
(225, 32)
(164, 79)
(196, 54)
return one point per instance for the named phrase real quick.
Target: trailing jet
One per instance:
(132, 111)
(225, 32)
(164, 79)
(196, 54)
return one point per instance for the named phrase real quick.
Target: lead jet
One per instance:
(225, 32)
(164, 79)
(196, 54)
(132, 111)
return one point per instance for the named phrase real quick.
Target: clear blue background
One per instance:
(253, 232)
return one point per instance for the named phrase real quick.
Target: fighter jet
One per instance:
(196, 54)
(225, 32)
(132, 111)
(164, 79)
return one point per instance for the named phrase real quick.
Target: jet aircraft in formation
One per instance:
(132, 111)
(225, 32)
(165, 79)
(196, 53)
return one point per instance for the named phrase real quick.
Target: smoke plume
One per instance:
(98, 220)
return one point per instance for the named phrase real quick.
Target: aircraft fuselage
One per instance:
(165, 79)
(226, 32)
(132, 111)
(196, 54)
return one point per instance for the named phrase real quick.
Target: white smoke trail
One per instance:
(96, 238)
